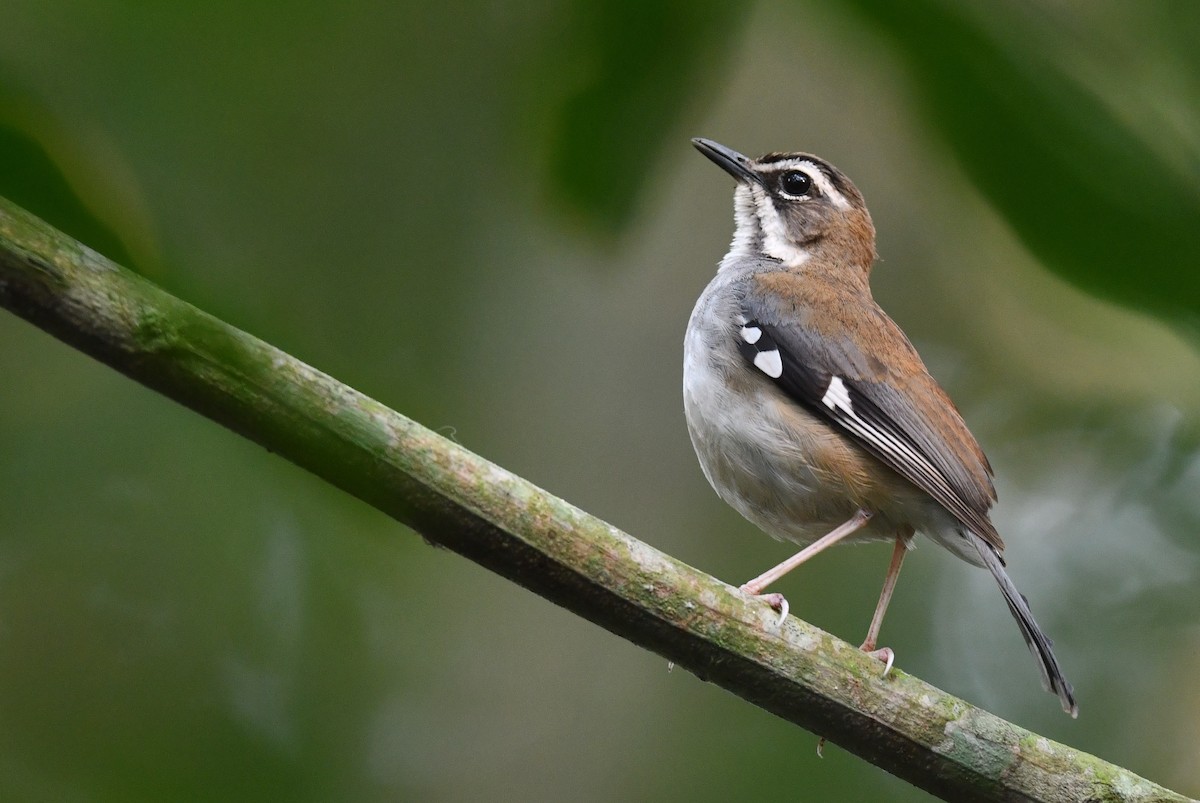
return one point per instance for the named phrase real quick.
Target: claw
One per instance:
(884, 654)
(776, 601)
(779, 603)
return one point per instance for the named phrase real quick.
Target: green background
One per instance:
(488, 216)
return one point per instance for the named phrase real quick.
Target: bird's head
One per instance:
(793, 207)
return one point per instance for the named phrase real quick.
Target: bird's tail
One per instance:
(1037, 641)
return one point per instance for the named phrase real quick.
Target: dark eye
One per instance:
(795, 183)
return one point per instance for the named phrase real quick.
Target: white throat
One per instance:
(745, 219)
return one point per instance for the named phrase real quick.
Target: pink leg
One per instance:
(885, 597)
(776, 601)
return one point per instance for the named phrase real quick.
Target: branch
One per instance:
(481, 511)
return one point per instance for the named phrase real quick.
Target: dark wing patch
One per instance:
(757, 344)
(845, 403)
(887, 441)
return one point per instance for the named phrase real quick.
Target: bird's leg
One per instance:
(777, 601)
(885, 596)
(889, 585)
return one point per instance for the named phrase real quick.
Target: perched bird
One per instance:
(811, 413)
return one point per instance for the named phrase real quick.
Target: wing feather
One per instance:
(886, 418)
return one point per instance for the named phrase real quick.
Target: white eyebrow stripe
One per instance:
(822, 181)
(819, 178)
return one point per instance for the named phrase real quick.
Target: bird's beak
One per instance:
(728, 160)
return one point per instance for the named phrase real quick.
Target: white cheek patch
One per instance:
(775, 240)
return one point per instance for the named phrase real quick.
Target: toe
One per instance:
(885, 655)
(776, 601)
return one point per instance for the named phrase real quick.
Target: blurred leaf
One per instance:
(31, 179)
(639, 66)
(1083, 192)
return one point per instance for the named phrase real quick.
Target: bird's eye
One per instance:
(795, 183)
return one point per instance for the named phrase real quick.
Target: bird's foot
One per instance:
(776, 601)
(883, 654)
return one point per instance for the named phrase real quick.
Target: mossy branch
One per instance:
(476, 508)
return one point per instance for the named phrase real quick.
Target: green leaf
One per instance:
(1083, 192)
(32, 179)
(637, 68)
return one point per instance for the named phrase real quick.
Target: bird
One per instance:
(811, 413)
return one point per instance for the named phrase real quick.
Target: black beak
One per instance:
(728, 160)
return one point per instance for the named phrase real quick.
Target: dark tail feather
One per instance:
(1052, 677)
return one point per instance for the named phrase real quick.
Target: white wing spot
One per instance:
(751, 334)
(836, 395)
(770, 363)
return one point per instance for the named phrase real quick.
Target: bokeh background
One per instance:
(488, 216)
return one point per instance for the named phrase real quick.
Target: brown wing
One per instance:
(858, 371)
